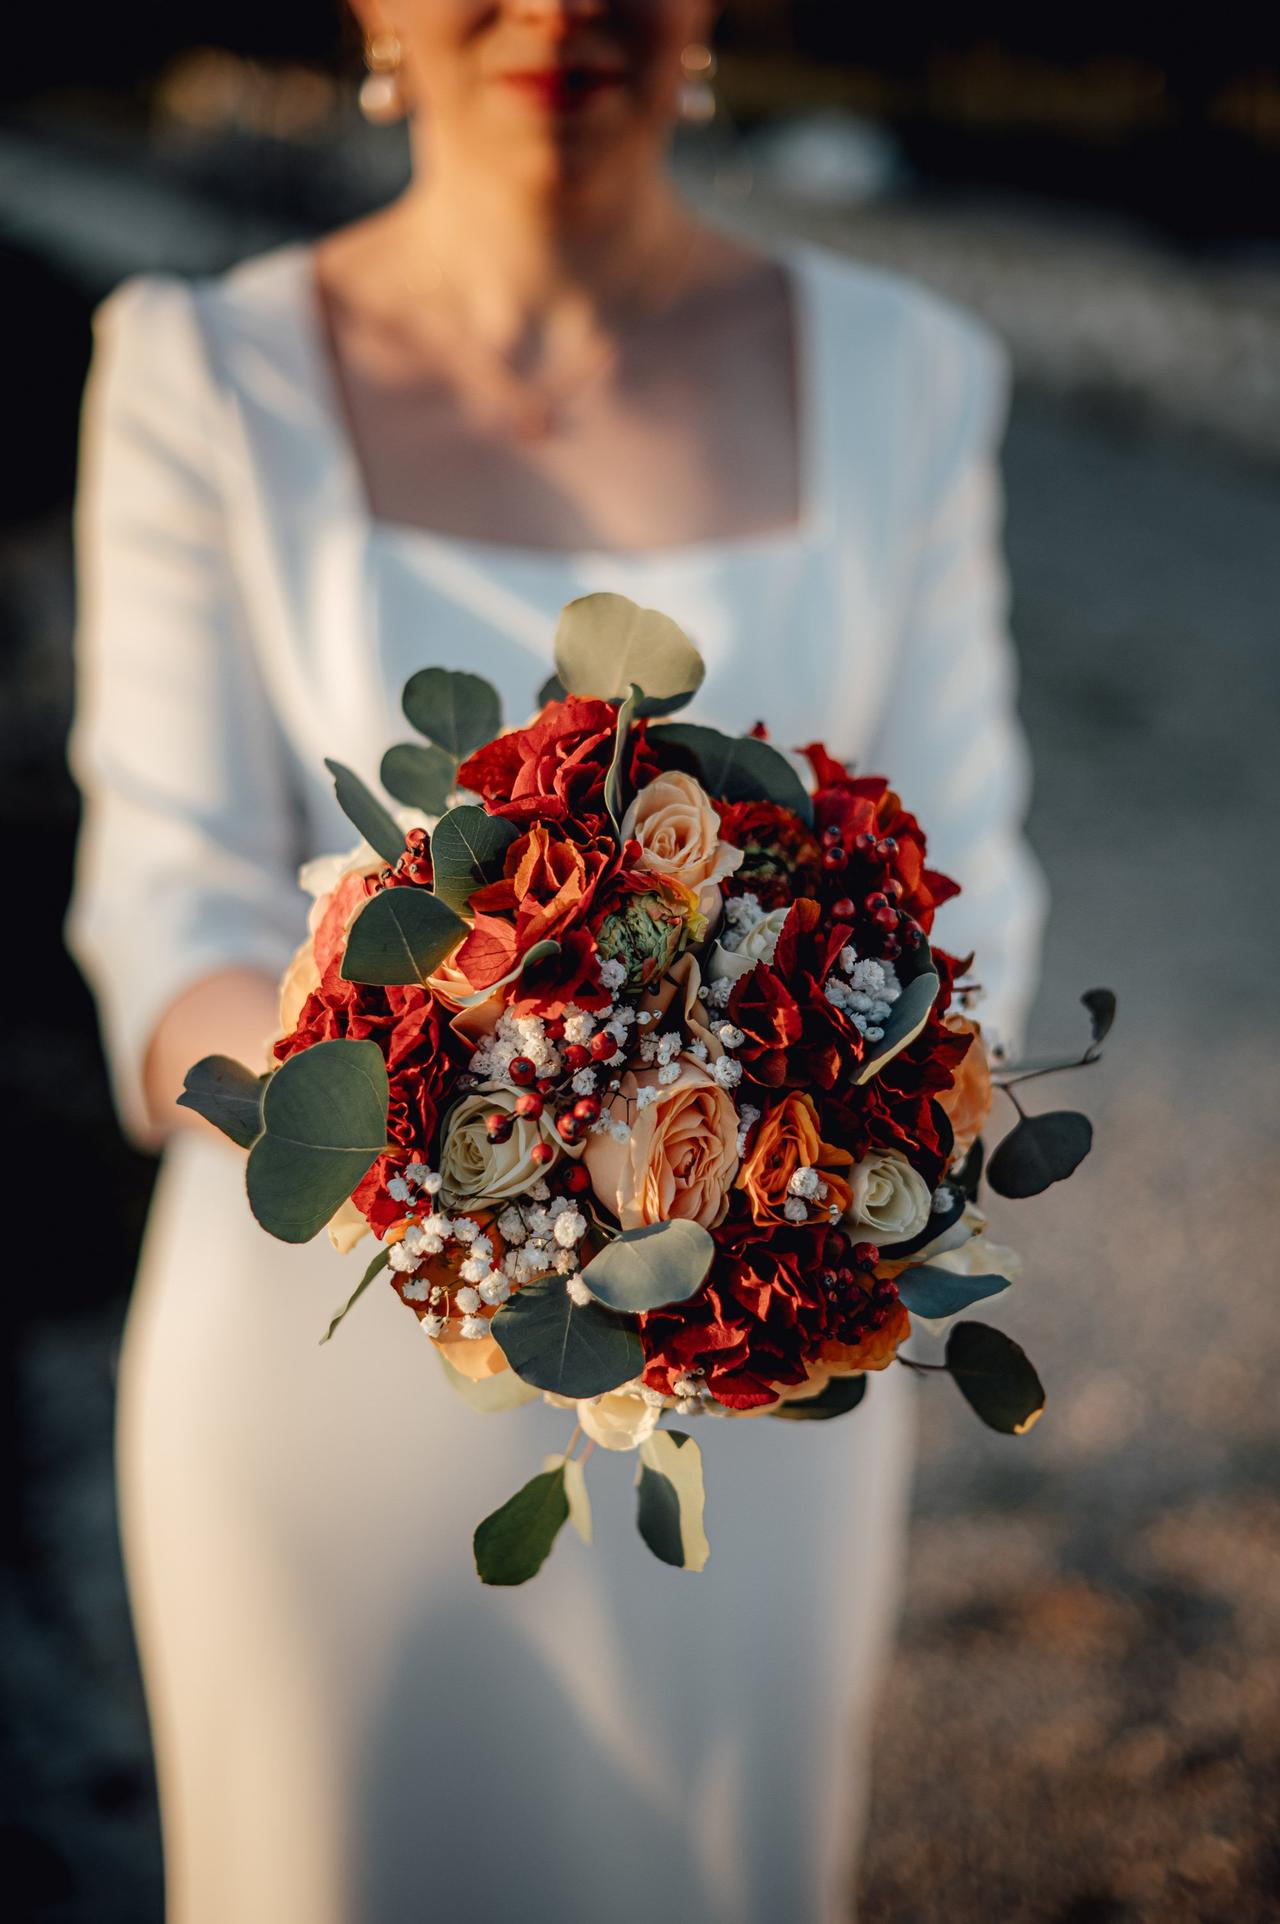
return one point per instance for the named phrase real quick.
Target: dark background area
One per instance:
(1083, 1724)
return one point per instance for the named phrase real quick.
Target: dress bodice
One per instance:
(243, 615)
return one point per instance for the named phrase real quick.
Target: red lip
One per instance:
(562, 88)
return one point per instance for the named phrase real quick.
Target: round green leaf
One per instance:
(513, 1544)
(938, 1293)
(556, 1344)
(1041, 1150)
(842, 1394)
(906, 1018)
(670, 1502)
(456, 711)
(466, 851)
(1101, 1004)
(647, 1268)
(605, 642)
(552, 689)
(228, 1095)
(737, 768)
(400, 936)
(995, 1377)
(324, 1122)
(365, 812)
(420, 776)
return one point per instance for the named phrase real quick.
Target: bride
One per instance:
(535, 374)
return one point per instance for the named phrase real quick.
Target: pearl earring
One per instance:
(697, 97)
(381, 99)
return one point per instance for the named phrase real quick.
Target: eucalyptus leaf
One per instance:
(456, 711)
(569, 1348)
(669, 1506)
(489, 1395)
(420, 775)
(995, 1377)
(228, 1095)
(575, 1489)
(513, 1544)
(605, 642)
(646, 1268)
(324, 1123)
(399, 937)
(842, 1394)
(969, 1174)
(466, 851)
(904, 1022)
(936, 1293)
(378, 1264)
(1041, 1150)
(614, 799)
(1101, 1004)
(738, 768)
(552, 689)
(365, 812)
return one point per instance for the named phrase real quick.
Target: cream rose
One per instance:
(758, 945)
(890, 1201)
(475, 1170)
(620, 1420)
(677, 827)
(681, 1155)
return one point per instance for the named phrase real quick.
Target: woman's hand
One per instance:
(233, 1013)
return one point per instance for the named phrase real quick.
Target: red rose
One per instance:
(554, 770)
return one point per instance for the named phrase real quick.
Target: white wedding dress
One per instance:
(348, 1728)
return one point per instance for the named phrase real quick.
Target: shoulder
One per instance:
(935, 357)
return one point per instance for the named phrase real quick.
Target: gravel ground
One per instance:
(1083, 1721)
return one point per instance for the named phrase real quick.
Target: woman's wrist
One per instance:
(232, 1013)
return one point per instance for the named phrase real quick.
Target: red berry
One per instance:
(834, 857)
(529, 1103)
(555, 1029)
(887, 918)
(886, 847)
(894, 887)
(866, 1255)
(603, 1047)
(567, 1126)
(577, 1178)
(865, 842)
(521, 1070)
(542, 1152)
(845, 909)
(416, 838)
(876, 900)
(587, 1108)
(837, 1245)
(831, 832)
(544, 1085)
(891, 948)
(498, 1126)
(576, 1056)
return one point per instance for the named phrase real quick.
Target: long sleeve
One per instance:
(186, 859)
(949, 736)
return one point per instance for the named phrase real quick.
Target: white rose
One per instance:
(621, 1420)
(758, 945)
(475, 1170)
(890, 1202)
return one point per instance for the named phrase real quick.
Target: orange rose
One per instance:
(787, 1141)
(967, 1103)
(681, 1155)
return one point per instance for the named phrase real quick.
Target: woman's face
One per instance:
(542, 90)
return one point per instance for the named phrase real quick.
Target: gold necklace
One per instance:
(533, 410)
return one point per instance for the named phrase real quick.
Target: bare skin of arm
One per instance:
(232, 1013)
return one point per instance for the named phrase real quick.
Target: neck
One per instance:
(518, 259)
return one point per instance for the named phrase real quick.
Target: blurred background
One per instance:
(1083, 1721)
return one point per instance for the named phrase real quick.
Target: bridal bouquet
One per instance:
(630, 1048)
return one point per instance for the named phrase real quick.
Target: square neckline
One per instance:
(795, 535)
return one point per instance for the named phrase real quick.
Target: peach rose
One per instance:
(681, 1155)
(967, 1103)
(678, 830)
(787, 1141)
